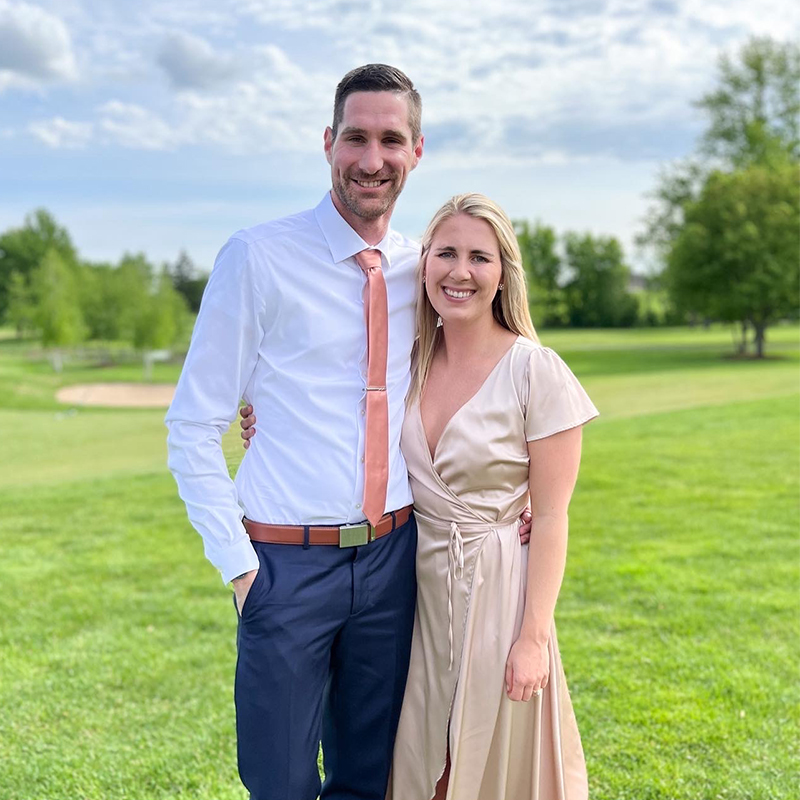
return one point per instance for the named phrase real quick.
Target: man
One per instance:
(326, 602)
(325, 630)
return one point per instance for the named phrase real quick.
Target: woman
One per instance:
(492, 416)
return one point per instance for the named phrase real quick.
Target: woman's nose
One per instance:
(460, 270)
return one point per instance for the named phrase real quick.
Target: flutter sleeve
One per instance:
(555, 401)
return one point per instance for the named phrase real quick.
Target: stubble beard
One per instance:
(365, 210)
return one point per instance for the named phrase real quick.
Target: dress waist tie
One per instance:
(455, 569)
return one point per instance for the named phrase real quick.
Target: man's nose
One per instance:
(371, 159)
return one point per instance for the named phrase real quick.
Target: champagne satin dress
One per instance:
(471, 573)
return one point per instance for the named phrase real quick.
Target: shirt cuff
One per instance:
(236, 560)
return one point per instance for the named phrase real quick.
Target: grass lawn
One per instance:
(678, 620)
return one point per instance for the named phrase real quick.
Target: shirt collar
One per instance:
(343, 241)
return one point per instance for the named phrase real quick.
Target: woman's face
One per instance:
(463, 269)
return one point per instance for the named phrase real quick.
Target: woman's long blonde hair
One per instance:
(509, 307)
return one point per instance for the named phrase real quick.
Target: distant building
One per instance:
(637, 283)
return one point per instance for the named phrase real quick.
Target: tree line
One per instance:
(724, 226)
(47, 290)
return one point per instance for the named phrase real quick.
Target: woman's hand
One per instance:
(527, 669)
(248, 422)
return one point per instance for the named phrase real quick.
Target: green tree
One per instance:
(752, 122)
(752, 118)
(57, 316)
(188, 282)
(161, 322)
(21, 311)
(597, 292)
(678, 185)
(23, 249)
(736, 256)
(538, 244)
(754, 112)
(103, 301)
(134, 283)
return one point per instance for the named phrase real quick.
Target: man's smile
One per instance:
(370, 184)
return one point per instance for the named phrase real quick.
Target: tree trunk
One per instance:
(741, 347)
(760, 337)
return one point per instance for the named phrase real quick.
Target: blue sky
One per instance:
(156, 127)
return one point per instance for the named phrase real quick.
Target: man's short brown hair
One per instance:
(378, 78)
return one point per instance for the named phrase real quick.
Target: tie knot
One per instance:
(367, 259)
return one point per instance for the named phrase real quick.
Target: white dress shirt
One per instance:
(282, 326)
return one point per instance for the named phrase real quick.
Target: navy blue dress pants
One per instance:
(323, 648)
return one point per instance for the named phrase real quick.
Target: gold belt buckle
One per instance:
(355, 535)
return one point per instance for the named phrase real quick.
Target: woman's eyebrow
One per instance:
(451, 248)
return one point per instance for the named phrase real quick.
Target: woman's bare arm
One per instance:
(554, 463)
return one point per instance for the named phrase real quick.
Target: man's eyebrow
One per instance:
(364, 132)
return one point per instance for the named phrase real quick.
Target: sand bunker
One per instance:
(122, 395)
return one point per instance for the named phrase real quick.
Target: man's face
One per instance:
(372, 154)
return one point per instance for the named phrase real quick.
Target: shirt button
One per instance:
(358, 505)
(363, 413)
(362, 459)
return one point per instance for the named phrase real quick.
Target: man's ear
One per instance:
(328, 138)
(418, 148)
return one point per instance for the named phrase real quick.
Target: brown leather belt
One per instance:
(340, 535)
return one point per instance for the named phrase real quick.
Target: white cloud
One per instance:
(536, 80)
(191, 62)
(35, 46)
(133, 126)
(323, 14)
(281, 108)
(558, 109)
(59, 133)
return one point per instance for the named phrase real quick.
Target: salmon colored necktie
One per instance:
(376, 450)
